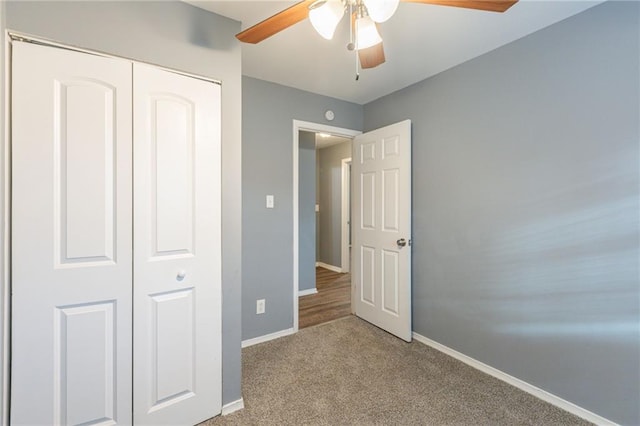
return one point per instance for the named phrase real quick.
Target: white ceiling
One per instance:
(419, 40)
(330, 140)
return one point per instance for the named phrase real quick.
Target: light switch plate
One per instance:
(270, 201)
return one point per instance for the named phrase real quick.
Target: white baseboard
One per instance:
(520, 384)
(329, 267)
(232, 407)
(307, 292)
(267, 337)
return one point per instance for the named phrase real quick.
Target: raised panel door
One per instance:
(71, 238)
(177, 272)
(382, 228)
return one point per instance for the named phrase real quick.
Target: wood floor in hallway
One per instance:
(332, 301)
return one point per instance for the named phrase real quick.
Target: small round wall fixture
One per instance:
(329, 115)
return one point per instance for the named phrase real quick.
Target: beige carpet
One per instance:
(348, 372)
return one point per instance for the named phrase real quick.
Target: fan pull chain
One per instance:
(352, 42)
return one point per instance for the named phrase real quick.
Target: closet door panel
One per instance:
(71, 238)
(177, 253)
(173, 175)
(84, 172)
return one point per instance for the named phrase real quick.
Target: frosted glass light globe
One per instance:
(366, 33)
(325, 18)
(381, 10)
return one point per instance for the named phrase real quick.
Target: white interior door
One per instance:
(177, 253)
(381, 173)
(71, 238)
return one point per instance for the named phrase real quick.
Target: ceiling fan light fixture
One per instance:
(325, 17)
(381, 10)
(366, 33)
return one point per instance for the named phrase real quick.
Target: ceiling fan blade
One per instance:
(276, 23)
(372, 56)
(488, 5)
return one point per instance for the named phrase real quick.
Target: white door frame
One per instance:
(345, 263)
(5, 185)
(315, 128)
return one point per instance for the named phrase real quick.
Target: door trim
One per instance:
(345, 263)
(28, 38)
(5, 204)
(315, 128)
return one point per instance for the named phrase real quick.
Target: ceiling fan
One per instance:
(365, 16)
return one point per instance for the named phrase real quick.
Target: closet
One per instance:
(116, 257)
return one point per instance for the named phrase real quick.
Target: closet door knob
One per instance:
(181, 275)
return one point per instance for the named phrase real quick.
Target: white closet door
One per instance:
(177, 253)
(71, 238)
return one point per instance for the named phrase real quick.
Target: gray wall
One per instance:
(179, 36)
(525, 195)
(268, 111)
(330, 234)
(307, 211)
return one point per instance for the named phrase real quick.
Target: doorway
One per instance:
(382, 237)
(324, 282)
(300, 128)
(346, 215)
